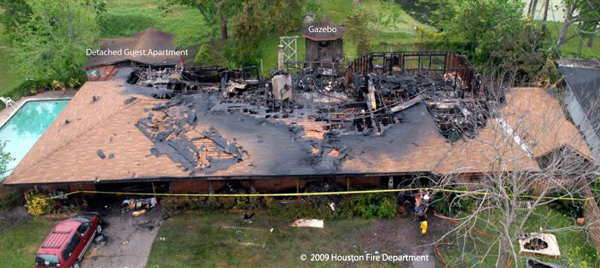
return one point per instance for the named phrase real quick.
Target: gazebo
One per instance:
(324, 43)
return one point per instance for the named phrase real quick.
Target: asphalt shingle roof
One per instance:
(100, 118)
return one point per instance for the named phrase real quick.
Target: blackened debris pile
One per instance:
(172, 129)
(366, 99)
(169, 81)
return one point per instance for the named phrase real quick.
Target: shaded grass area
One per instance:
(575, 248)
(570, 48)
(196, 241)
(20, 241)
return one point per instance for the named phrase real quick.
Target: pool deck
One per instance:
(47, 95)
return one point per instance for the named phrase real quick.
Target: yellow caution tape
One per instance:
(318, 194)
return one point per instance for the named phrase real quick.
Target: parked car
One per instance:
(68, 242)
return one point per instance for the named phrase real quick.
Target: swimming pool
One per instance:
(26, 125)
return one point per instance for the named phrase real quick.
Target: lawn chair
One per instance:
(8, 102)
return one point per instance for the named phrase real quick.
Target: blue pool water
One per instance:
(26, 126)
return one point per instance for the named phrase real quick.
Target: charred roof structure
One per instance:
(583, 97)
(388, 114)
(324, 44)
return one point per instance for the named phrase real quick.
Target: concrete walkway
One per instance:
(129, 240)
(47, 95)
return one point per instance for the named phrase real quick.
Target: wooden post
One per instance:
(298, 188)
(153, 189)
(347, 184)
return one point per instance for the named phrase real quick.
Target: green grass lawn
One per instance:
(124, 18)
(196, 241)
(19, 242)
(572, 243)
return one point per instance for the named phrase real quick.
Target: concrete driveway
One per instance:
(129, 240)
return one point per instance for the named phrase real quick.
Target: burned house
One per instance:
(392, 117)
(324, 44)
(149, 48)
(582, 80)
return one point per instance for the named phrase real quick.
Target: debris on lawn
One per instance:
(534, 263)
(314, 223)
(324, 200)
(246, 236)
(539, 244)
(140, 206)
(101, 239)
(138, 212)
(248, 217)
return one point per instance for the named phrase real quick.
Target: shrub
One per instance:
(369, 206)
(10, 197)
(38, 203)
(449, 204)
(174, 203)
(358, 30)
(304, 210)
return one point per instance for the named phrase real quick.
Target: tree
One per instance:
(216, 13)
(15, 13)
(5, 159)
(52, 42)
(508, 192)
(357, 30)
(9, 197)
(463, 21)
(249, 29)
(248, 20)
(545, 18)
(584, 14)
(492, 33)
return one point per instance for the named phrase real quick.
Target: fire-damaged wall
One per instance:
(271, 184)
(261, 185)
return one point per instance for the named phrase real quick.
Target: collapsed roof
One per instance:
(149, 39)
(114, 131)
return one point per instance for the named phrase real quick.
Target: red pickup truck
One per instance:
(68, 242)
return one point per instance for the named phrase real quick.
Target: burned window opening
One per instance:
(536, 244)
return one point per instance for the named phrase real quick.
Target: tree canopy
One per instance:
(493, 32)
(358, 31)
(51, 43)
